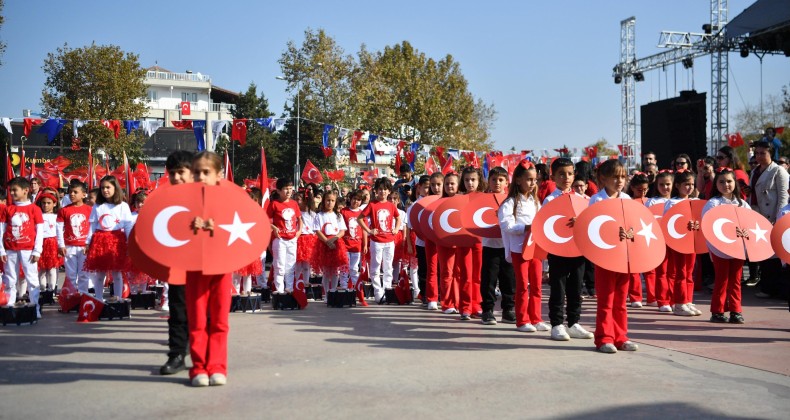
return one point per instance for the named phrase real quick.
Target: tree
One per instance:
(96, 83)
(246, 159)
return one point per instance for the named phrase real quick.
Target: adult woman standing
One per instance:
(727, 158)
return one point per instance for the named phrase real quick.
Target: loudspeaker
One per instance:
(674, 126)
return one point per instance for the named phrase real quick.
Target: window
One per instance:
(184, 96)
(151, 95)
(189, 97)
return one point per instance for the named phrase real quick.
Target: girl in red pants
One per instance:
(637, 188)
(449, 256)
(208, 298)
(469, 286)
(680, 268)
(611, 318)
(436, 186)
(658, 275)
(728, 270)
(515, 219)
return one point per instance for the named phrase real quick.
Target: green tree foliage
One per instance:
(96, 83)
(246, 159)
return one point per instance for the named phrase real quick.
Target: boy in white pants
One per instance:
(383, 215)
(72, 231)
(286, 228)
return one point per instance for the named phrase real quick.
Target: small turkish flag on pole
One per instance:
(311, 174)
(186, 108)
(228, 169)
(90, 309)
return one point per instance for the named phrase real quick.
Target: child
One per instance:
(21, 227)
(436, 185)
(255, 268)
(330, 255)
(307, 240)
(353, 239)
(611, 320)
(728, 270)
(208, 299)
(637, 188)
(92, 196)
(449, 256)
(469, 271)
(565, 273)
(138, 280)
(110, 225)
(286, 228)
(515, 220)
(179, 171)
(414, 244)
(383, 215)
(496, 264)
(72, 230)
(657, 277)
(581, 186)
(680, 267)
(50, 260)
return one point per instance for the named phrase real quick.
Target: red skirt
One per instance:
(254, 268)
(304, 247)
(107, 252)
(49, 255)
(323, 257)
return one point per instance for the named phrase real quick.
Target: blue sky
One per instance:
(546, 66)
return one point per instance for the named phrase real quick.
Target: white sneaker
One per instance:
(559, 333)
(526, 328)
(217, 379)
(577, 331)
(608, 348)
(433, 306)
(694, 309)
(683, 310)
(450, 311)
(665, 308)
(200, 380)
(629, 346)
(542, 326)
(166, 308)
(636, 304)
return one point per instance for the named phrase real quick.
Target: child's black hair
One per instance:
(561, 163)
(20, 182)
(179, 159)
(383, 183)
(284, 182)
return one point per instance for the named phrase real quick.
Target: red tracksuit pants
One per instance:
(450, 275)
(477, 269)
(431, 272)
(529, 276)
(611, 318)
(727, 285)
(469, 262)
(658, 278)
(208, 306)
(680, 272)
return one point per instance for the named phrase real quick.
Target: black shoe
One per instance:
(753, 281)
(174, 364)
(489, 318)
(509, 316)
(718, 318)
(736, 318)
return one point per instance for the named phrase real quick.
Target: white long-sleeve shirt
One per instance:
(109, 217)
(514, 227)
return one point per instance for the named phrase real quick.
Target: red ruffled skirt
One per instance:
(323, 257)
(137, 278)
(107, 252)
(304, 247)
(254, 268)
(49, 255)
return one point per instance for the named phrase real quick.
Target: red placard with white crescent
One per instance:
(479, 216)
(241, 230)
(718, 226)
(426, 221)
(550, 226)
(447, 223)
(758, 238)
(597, 234)
(657, 210)
(780, 238)
(675, 227)
(414, 213)
(531, 250)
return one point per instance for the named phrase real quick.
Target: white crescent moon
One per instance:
(445, 224)
(529, 240)
(300, 283)
(310, 173)
(671, 227)
(551, 234)
(430, 221)
(89, 302)
(161, 233)
(594, 231)
(786, 240)
(717, 225)
(477, 218)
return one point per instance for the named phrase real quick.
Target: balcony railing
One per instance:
(178, 77)
(174, 103)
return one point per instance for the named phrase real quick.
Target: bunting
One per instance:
(114, 126)
(130, 125)
(199, 127)
(52, 128)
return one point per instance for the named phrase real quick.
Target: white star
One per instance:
(238, 230)
(760, 233)
(647, 232)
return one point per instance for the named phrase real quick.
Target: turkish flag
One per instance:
(68, 297)
(182, 125)
(447, 224)
(299, 292)
(28, 124)
(186, 108)
(738, 232)
(327, 151)
(550, 225)
(311, 174)
(360, 286)
(369, 176)
(426, 219)
(90, 309)
(479, 217)
(439, 153)
(471, 159)
(780, 238)
(416, 210)
(735, 140)
(448, 166)
(113, 125)
(403, 289)
(675, 227)
(337, 175)
(430, 166)
(239, 131)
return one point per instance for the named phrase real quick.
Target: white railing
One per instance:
(179, 77)
(173, 103)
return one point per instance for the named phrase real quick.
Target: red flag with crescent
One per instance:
(780, 238)
(186, 108)
(426, 220)
(447, 167)
(90, 309)
(299, 293)
(239, 131)
(360, 286)
(447, 225)
(681, 227)
(416, 210)
(114, 126)
(738, 232)
(69, 296)
(479, 216)
(551, 229)
(311, 174)
(430, 166)
(403, 289)
(182, 124)
(620, 235)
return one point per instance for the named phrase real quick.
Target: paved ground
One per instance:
(402, 362)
